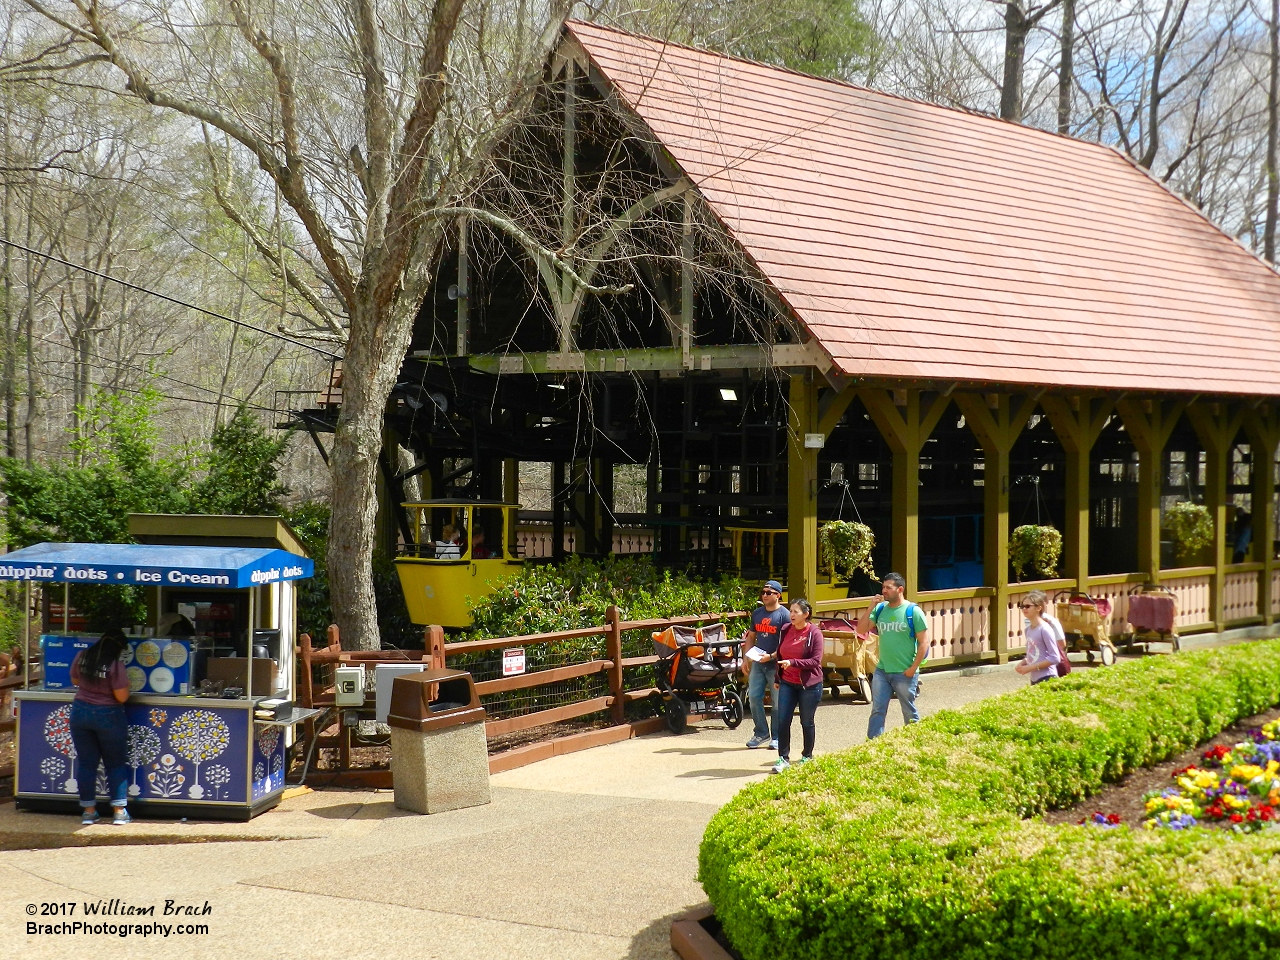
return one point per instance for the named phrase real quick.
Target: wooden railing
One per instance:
(1193, 587)
(611, 666)
(1017, 642)
(1240, 592)
(959, 621)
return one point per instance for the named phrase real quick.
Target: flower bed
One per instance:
(928, 842)
(1236, 786)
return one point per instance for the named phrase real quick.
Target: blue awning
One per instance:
(154, 565)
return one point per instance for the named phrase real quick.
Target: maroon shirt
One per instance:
(99, 690)
(804, 650)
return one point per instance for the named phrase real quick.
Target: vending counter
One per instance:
(219, 757)
(188, 756)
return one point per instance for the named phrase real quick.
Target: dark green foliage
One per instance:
(242, 471)
(577, 593)
(915, 845)
(119, 471)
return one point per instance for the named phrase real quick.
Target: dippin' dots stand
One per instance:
(188, 755)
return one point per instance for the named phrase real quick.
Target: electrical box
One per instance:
(348, 686)
(384, 675)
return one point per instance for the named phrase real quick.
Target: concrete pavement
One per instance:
(586, 855)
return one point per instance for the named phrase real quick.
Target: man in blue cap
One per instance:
(767, 621)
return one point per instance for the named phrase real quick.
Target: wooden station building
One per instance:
(794, 299)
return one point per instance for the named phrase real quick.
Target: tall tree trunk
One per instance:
(1065, 65)
(1016, 28)
(378, 341)
(1273, 178)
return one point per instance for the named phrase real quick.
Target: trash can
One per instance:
(439, 758)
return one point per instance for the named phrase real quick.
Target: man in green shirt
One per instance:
(903, 631)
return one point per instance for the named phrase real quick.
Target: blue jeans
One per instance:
(763, 677)
(886, 685)
(100, 733)
(790, 696)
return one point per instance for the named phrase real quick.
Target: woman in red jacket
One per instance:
(799, 682)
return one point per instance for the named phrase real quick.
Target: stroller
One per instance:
(697, 674)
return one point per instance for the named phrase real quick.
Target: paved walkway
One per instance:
(588, 855)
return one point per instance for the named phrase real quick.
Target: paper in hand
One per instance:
(756, 654)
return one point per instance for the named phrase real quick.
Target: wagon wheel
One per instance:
(1108, 653)
(1088, 656)
(835, 690)
(677, 715)
(864, 689)
(733, 709)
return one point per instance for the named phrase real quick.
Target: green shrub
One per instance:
(542, 598)
(845, 548)
(1191, 527)
(917, 844)
(1035, 548)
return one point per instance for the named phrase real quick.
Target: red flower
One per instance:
(1113, 818)
(1236, 818)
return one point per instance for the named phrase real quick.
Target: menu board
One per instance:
(158, 665)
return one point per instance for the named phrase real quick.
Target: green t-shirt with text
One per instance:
(897, 649)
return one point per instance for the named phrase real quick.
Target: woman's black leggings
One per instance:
(791, 695)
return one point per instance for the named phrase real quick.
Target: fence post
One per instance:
(433, 640)
(617, 710)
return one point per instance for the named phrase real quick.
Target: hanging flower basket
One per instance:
(1035, 548)
(845, 547)
(1190, 526)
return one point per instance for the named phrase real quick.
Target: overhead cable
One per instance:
(174, 300)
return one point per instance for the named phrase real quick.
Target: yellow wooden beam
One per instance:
(1078, 422)
(905, 429)
(802, 487)
(1217, 424)
(996, 428)
(1262, 426)
(1149, 424)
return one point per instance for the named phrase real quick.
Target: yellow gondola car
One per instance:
(460, 550)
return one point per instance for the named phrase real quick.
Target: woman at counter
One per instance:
(99, 728)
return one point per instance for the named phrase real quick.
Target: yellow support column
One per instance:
(905, 427)
(997, 425)
(1077, 421)
(1149, 424)
(1263, 428)
(511, 481)
(1216, 424)
(802, 486)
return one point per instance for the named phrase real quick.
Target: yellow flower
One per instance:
(1245, 772)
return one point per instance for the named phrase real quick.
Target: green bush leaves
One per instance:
(919, 845)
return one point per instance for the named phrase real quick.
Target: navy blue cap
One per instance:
(773, 585)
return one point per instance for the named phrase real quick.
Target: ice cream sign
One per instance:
(156, 565)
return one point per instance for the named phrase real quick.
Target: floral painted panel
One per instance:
(182, 752)
(268, 761)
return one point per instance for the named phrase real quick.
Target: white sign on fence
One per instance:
(513, 662)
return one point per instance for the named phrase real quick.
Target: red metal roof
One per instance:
(919, 241)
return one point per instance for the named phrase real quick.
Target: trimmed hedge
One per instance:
(918, 844)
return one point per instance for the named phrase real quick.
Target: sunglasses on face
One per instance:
(770, 593)
(1028, 606)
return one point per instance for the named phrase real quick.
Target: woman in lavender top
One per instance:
(1044, 656)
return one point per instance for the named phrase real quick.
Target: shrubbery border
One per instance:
(925, 843)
